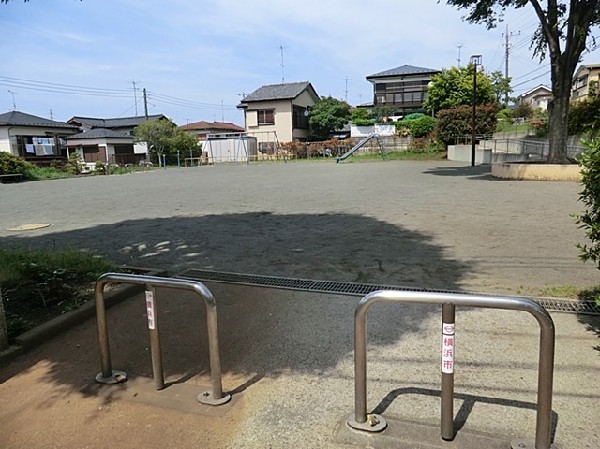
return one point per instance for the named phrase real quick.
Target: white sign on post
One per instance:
(150, 309)
(448, 348)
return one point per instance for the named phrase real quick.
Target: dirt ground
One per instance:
(287, 356)
(424, 224)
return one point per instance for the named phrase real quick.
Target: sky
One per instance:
(198, 58)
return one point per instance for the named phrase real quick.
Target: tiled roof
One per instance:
(202, 125)
(277, 92)
(403, 70)
(120, 122)
(16, 118)
(99, 133)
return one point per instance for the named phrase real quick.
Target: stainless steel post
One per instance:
(157, 366)
(448, 353)
(360, 419)
(216, 395)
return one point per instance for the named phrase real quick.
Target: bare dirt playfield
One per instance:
(287, 356)
(422, 224)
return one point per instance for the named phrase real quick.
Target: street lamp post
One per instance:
(475, 61)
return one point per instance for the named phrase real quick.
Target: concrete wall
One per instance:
(462, 153)
(364, 131)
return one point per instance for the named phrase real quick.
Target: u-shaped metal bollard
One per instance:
(375, 423)
(110, 376)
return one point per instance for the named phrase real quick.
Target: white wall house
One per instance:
(278, 113)
(29, 136)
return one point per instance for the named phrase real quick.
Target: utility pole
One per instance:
(145, 104)
(51, 117)
(222, 113)
(458, 59)
(135, 98)
(507, 36)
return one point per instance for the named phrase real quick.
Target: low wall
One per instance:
(536, 172)
(462, 153)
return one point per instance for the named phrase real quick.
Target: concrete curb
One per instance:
(33, 337)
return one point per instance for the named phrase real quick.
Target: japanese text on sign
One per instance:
(448, 348)
(150, 310)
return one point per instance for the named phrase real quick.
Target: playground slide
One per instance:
(355, 148)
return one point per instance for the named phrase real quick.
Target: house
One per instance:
(33, 138)
(278, 113)
(110, 140)
(202, 129)
(403, 88)
(104, 145)
(585, 82)
(537, 98)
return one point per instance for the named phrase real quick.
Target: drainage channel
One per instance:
(587, 307)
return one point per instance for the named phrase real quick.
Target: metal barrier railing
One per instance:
(110, 376)
(375, 423)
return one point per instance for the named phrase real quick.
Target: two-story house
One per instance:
(278, 113)
(586, 82)
(110, 140)
(537, 98)
(403, 89)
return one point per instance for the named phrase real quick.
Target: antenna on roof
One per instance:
(135, 97)
(282, 76)
(13, 97)
(459, 47)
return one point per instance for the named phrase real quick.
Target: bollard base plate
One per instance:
(206, 397)
(374, 423)
(115, 378)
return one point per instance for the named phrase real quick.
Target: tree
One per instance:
(183, 142)
(501, 86)
(563, 30)
(453, 87)
(158, 136)
(360, 117)
(327, 115)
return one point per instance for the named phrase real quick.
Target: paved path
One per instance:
(423, 224)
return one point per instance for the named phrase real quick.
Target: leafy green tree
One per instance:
(360, 117)
(564, 28)
(455, 123)
(183, 142)
(158, 135)
(501, 86)
(453, 87)
(327, 115)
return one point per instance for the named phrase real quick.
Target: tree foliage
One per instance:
(453, 87)
(501, 86)
(360, 117)
(584, 116)
(455, 123)
(418, 125)
(564, 27)
(589, 161)
(163, 137)
(327, 115)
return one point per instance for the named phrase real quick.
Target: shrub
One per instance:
(360, 117)
(419, 125)
(522, 110)
(589, 161)
(10, 164)
(584, 116)
(456, 122)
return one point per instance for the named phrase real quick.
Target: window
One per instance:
(266, 116)
(299, 118)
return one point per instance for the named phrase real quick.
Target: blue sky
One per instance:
(196, 58)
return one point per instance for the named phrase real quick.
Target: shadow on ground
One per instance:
(263, 332)
(478, 172)
(592, 324)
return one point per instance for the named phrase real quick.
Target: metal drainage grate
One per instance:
(358, 289)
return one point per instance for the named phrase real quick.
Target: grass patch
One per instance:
(40, 285)
(43, 173)
(409, 155)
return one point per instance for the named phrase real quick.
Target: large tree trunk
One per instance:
(558, 128)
